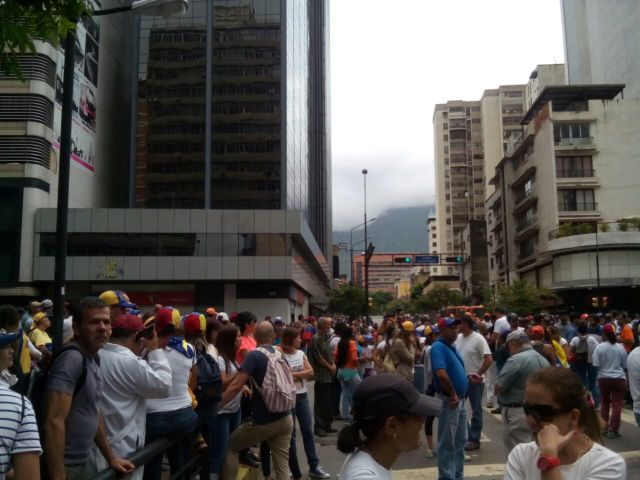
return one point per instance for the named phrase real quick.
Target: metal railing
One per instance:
(143, 455)
(584, 228)
(576, 173)
(525, 224)
(577, 206)
(568, 142)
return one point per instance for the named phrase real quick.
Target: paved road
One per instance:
(486, 463)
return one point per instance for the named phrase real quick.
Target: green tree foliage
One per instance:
(380, 301)
(416, 291)
(347, 299)
(519, 297)
(24, 21)
(436, 299)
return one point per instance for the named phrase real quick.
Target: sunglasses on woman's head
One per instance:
(542, 413)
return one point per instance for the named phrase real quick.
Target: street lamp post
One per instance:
(165, 8)
(366, 257)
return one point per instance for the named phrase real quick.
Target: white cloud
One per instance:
(391, 62)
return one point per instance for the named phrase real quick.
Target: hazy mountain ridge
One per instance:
(395, 230)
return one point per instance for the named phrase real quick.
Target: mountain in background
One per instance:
(396, 230)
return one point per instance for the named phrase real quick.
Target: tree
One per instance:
(436, 299)
(416, 291)
(25, 21)
(380, 301)
(519, 297)
(347, 299)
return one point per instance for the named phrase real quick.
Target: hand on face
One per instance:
(551, 441)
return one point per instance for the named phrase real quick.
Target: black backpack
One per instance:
(209, 385)
(582, 350)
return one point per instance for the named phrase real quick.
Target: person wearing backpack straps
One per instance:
(72, 413)
(274, 395)
(582, 346)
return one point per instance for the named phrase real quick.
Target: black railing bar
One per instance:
(140, 457)
(189, 465)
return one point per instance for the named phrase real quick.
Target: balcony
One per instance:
(576, 173)
(577, 206)
(524, 201)
(574, 142)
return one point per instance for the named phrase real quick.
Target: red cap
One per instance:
(194, 324)
(167, 317)
(608, 328)
(584, 316)
(128, 322)
(210, 311)
(537, 330)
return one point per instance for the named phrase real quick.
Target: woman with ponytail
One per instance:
(567, 432)
(388, 414)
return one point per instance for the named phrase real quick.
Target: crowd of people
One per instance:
(234, 389)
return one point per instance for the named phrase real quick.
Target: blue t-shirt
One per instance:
(446, 357)
(255, 365)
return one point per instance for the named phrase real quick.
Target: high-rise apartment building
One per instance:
(601, 41)
(562, 214)
(459, 170)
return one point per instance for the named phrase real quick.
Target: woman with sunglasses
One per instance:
(566, 427)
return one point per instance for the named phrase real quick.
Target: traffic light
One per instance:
(402, 259)
(457, 259)
(370, 302)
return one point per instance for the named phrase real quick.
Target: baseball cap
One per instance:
(584, 316)
(278, 320)
(210, 311)
(116, 298)
(35, 304)
(194, 323)
(408, 326)
(47, 303)
(128, 322)
(223, 317)
(608, 329)
(7, 338)
(39, 316)
(518, 336)
(445, 322)
(167, 317)
(385, 395)
(537, 330)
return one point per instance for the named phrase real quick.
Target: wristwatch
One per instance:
(547, 463)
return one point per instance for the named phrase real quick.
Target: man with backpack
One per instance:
(582, 347)
(74, 390)
(274, 395)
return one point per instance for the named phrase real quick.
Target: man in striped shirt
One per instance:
(19, 440)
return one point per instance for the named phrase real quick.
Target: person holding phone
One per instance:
(128, 381)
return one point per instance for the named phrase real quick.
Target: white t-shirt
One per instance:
(180, 370)
(633, 370)
(501, 325)
(599, 463)
(426, 360)
(611, 360)
(361, 466)
(368, 355)
(592, 343)
(296, 364)
(233, 404)
(472, 349)
(382, 345)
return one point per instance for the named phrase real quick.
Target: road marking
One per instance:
(484, 438)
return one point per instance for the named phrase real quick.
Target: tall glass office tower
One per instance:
(232, 110)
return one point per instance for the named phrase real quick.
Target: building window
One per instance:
(574, 167)
(571, 134)
(526, 248)
(576, 200)
(445, 126)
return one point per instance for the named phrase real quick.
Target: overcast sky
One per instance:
(392, 61)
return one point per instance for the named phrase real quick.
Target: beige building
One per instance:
(566, 181)
(459, 170)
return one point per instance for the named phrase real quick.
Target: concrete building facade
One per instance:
(385, 269)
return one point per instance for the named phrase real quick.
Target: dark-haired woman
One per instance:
(346, 358)
(246, 322)
(611, 359)
(228, 417)
(389, 413)
(567, 433)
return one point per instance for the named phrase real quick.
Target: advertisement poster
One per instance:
(85, 86)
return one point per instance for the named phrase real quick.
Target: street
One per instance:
(486, 463)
